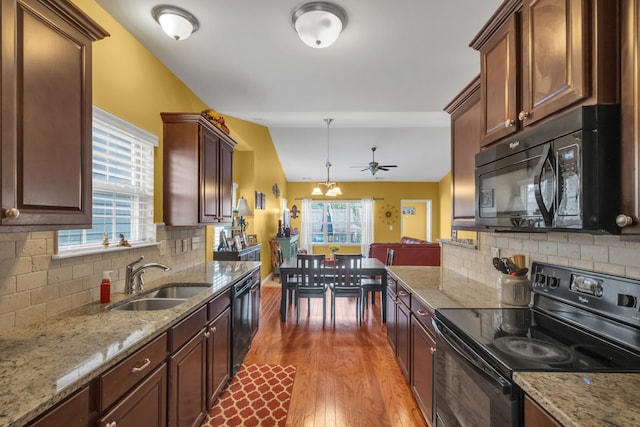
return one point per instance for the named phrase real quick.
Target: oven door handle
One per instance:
(485, 371)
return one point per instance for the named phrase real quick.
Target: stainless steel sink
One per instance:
(146, 304)
(177, 291)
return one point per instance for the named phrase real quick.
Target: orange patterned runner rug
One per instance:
(258, 395)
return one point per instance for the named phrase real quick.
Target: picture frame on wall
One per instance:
(258, 200)
(252, 239)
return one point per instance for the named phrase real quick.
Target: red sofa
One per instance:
(409, 251)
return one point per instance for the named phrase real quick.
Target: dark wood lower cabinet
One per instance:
(392, 316)
(535, 416)
(218, 356)
(423, 348)
(188, 383)
(403, 350)
(145, 405)
(255, 307)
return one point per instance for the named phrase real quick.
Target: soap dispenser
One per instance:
(105, 287)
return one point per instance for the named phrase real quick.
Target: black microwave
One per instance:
(562, 174)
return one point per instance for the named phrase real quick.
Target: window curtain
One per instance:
(367, 225)
(305, 235)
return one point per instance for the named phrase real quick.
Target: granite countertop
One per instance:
(45, 362)
(585, 399)
(439, 287)
(574, 399)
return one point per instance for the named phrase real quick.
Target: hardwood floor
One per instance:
(345, 376)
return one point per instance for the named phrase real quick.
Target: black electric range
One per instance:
(578, 321)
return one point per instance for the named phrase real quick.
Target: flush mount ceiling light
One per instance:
(319, 23)
(175, 22)
(327, 188)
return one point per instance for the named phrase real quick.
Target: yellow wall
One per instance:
(415, 225)
(445, 206)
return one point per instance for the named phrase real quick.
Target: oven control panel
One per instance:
(614, 296)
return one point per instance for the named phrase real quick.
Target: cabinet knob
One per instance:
(213, 329)
(509, 123)
(12, 213)
(623, 220)
(523, 115)
(432, 350)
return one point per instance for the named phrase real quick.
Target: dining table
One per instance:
(370, 267)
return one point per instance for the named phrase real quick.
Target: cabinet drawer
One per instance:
(404, 295)
(218, 304)
(423, 315)
(181, 333)
(119, 379)
(392, 284)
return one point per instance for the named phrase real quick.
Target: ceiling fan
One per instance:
(373, 166)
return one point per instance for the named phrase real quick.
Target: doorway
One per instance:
(416, 219)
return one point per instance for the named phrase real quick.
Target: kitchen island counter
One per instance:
(46, 362)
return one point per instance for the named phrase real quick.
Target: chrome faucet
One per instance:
(134, 281)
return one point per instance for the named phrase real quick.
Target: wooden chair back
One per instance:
(347, 270)
(311, 271)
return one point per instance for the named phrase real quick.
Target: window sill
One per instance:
(85, 252)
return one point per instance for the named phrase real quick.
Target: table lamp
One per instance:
(243, 210)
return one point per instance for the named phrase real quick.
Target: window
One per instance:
(122, 173)
(339, 222)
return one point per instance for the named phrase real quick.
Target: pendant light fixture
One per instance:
(319, 23)
(328, 188)
(177, 23)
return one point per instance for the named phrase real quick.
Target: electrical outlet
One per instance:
(178, 246)
(195, 243)
(391, 227)
(495, 252)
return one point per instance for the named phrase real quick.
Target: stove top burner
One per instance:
(534, 350)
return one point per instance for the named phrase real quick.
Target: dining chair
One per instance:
(373, 285)
(346, 281)
(311, 283)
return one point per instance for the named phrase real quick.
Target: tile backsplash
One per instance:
(33, 286)
(605, 254)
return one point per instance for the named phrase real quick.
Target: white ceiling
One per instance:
(384, 82)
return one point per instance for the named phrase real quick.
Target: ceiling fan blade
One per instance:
(382, 168)
(388, 166)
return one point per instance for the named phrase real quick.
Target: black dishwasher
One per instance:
(241, 316)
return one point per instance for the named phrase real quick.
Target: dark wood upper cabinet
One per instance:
(45, 89)
(539, 57)
(630, 102)
(466, 115)
(198, 171)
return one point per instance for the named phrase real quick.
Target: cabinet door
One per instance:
(187, 384)
(146, 405)
(403, 338)
(391, 319)
(423, 347)
(218, 356)
(535, 416)
(555, 56)
(466, 116)
(46, 115)
(225, 208)
(210, 158)
(630, 155)
(498, 68)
